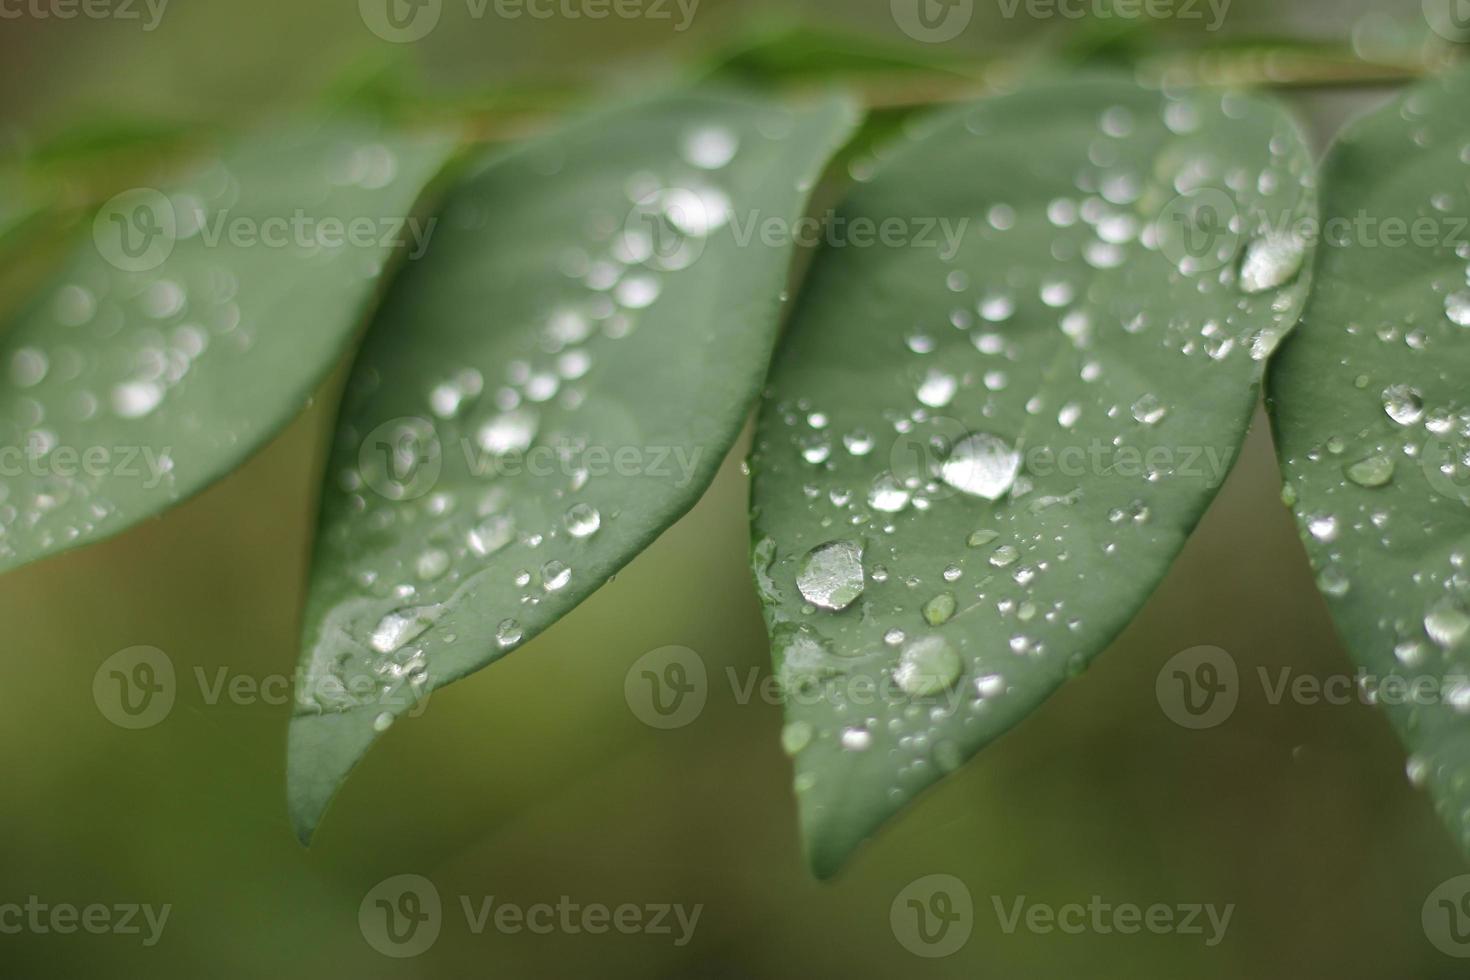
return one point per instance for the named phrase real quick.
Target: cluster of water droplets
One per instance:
(933, 558)
(491, 527)
(1383, 500)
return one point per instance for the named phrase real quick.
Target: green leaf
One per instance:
(1372, 419)
(1073, 341)
(555, 385)
(158, 361)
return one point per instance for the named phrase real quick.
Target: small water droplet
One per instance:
(1446, 623)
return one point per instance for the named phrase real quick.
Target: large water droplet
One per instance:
(582, 520)
(928, 666)
(1457, 308)
(1271, 261)
(1403, 404)
(831, 575)
(981, 465)
(1375, 471)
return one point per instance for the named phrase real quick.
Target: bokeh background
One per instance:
(533, 780)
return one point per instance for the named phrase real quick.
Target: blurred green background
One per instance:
(534, 780)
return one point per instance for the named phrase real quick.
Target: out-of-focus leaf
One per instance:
(189, 325)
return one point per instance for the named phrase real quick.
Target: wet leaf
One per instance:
(188, 327)
(1012, 413)
(1372, 421)
(551, 388)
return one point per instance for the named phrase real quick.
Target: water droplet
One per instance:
(1375, 471)
(710, 147)
(432, 564)
(928, 666)
(1403, 404)
(383, 722)
(831, 575)
(508, 633)
(135, 399)
(937, 389)
(939, 609)
(555, 575)
(1271, 261)
(887, 494)
(1149, 410)
(1323, 527)
(1446, 623)
(508, 432)
(982, 465)
(1004, 555)
(856, 739)
(397, 628)
(582, 520)
(1457, 308)
(796, 736)
(981, 537)
(491, 534)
